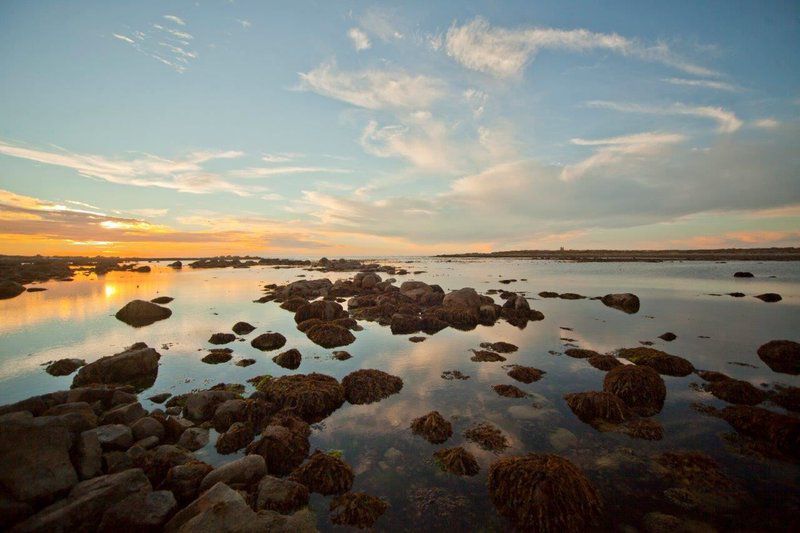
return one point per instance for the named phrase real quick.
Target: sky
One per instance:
(199, 128)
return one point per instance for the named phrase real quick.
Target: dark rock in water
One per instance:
(402, 324)
(737, 294)
(711, 375)
(238, 436)
(485, 356)
(454, 374)
(294, 303)
(642, 428)
(137, 366)
(325, 310)
(629, 303)
(548, 294)
(245, 362)
(201, 406)
(580, 353)
(243, 328)
(457, 461)
(193, 439)
(140, 313)
(329, 335)
(668, 336)
(368, 386)
(246, 471)
(736, 391)
(268, 341)
(222, 338)
(341, 355)
(217, 356)
(142, 269)
(176, 264)
(781, 356)
(571, 296)
(325, 474)
(661, 362)
(281, 495)
(10, 289)
(787, 397)
(289, 359)
(640, 387)
(162, 300)
(184, 480)
(543, 492)
(499, 347)
(433, 427)
(64, 367)
(604, 362)
(487, 437)
(509, 391)
(312, 397)
(743, 275)
(525, 374)
(770, 297)
(35, 289)
(357, 509)
(595, 407)
(141, 511)
(417, 339)
(160, 398)
(283, 448)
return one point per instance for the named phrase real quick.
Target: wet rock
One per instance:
(640, 387)
(281, 495)
(499, 347)
(769, 297)
(176, 264)
(147, 427)
(417, 339)
(193, 439)
(787, 397)
(368, 386)
(141, 512)
(160, 398)
(357, 509)
(156, 463)
(325, 474)
(737, 294)
(457, 461)
(595, 407)
(341, 355)
(325, 310)
(604, 362)
(548, 294)
(283, 448)
(485, 356)
(10, 289)
(417, 291)
(525, 374)
(736, 391)
(124, 414)
(253, 411)
(238, 436)
(34, 457)
(294, 303)
(773, 429)
(64, 367)
(781, 356)
(140, 313)
(433, 427)
(543, 492)
(114, 436)
(743, 275)
(487, 437)
(661, 362)
(642, 428)
(246, 471)
(221, 338)
(289, 359)
(629, 303)
(245, 362)
(312, 397)
(218, 509)
(184, 480)
(711, 375)
(201, 406)
(509, 391)
(136, 366)
(243, 328)
(268, 341)
(668, 336)
(329, 335)
(174, 426)
(580, 353)
(403, 324)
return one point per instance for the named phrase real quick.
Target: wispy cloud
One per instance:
(177, 20)
(704, 84)
(768, 123)
(123, 38)
(262, 172)
(727, 121)
(359, 39)
(245, 23)
(504, 52)
(168, 46)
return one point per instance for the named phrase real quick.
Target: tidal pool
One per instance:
(721, 333)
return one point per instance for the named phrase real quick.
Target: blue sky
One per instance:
(350, 127)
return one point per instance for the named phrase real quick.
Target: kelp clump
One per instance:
(357, 509)
(457, 461)
(325, 474)
(640, 387)
(312, 397)
(433, 427)
(369, 385)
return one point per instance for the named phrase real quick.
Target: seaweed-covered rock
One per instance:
(736, 391)
(580, 353)
(294, 303)
(403, 324)
(139, 313)
(781, 356)
(640, 387)
(642, 428)
(433, 426)
(509, 391)
(283, 449)
(243, 328)
(485, 356)
(594, 407)
(325, 474)
(281, 495)
(357, 509)
(268, 341)
(525, 374)
(312, 397)
(604, 362)
(626, 302)
(544, 493)
(237, 436)
(773, 429)
(325, 310)
(290, 359)
(64, 367)
(487, 437)
(368, 386)
(341, 355)
(137, 366)
(330, 335)
(218, 355)
(457, 461)
(221, 338)
(661, 362)
(499, 347)
(698, 482)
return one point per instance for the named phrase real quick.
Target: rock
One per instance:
(245, 471)
(433, 427)
(781, 432)
(147, 443)
(141, 512)
(268, 341)
(217, 356)
(219, 509)
(324, 310)
(499, 347)
(88, 455)
(238, 435)
(781, 356)
(357, 509)
(366, 280)
(737, 294)
(83, 509)
(12, 511)
(661, 362)
(787, 397)
(281, 495)
(509, 391)
(174, 426)
(743, 275)
(640, 387)
(341, 355)
(222, 338)
(629, 303)
(243, 328)
(417, 291)
(525, 374)
(485, 356)
(64, 367)
(10, 289)
(124, 414)
(157, 462)
(736, 391)
(312, 397)
(254, 412)
(769, 297)
(77, 416)
(114, 436)
(162, 300)
(368, 386)
(200, 406)
(142, 269)
(184, 480)
(193, 438)
(289, 359)
(467, 298)
(595, 407)
(302, 521)
(160, 398)
(417, 339)
(571, 296)
(140, 313)
(668, 336)
(137, 367)
(580, 353)
(457, 461)
(325, 474)
(329, 335)
(543, 492)
(604, 362)
(283, 448)
(487, 437)
(245, 362)
(34, 457)
(176, 264)
(403, 324)
(450, 375)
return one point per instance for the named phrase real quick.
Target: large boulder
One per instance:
(268, 341)
(467, 298)
(137, 367)
(627, 302)
(218, 509)
(141, 512)
(245, 471)
(330, 335)
(281, 495)
(139, 313)
(781, 356)
(597, 407)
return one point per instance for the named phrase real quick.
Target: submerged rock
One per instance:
(661, 362)
(457, 461)
(137, 366)
(487, 437)
(433, 427)
(580, 353)
(368, 386)
(357, 509)
(736, 391)
(243, 328)
(499, 347)
(454, 374)
(781, 356)
(64, 367)
(604, 362)
(699, 482)
(312, 397)
(268, 341)
(325, 474)
(140, 313)
(290, 359)
(485, 356)
(629, 303)
(525, 374)
(769, 297)
(543, 492)
(640, 387)
(594, 407)
(509, 391)
(779, 431)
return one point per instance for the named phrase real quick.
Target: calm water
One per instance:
(75, 319)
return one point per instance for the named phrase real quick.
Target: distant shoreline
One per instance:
(633, 256)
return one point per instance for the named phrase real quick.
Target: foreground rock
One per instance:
(312, 397)
(781, 356)
(661, 362)
(139, 313)
(368, 386)
(325, 474)
(281, 495)
(487, 437)
(283, 447)
(640, 387)
(736, 391)
(542, 492)
(457, 461)
(218, 509)
(626, 302)
(290, 359)
(137, 366)
(221, 338)
(140, 511)
(773, 430)
(433, 427)
(604, 362)
(357, 509)
(64, 367)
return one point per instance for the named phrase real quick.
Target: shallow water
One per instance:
(75, 319)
